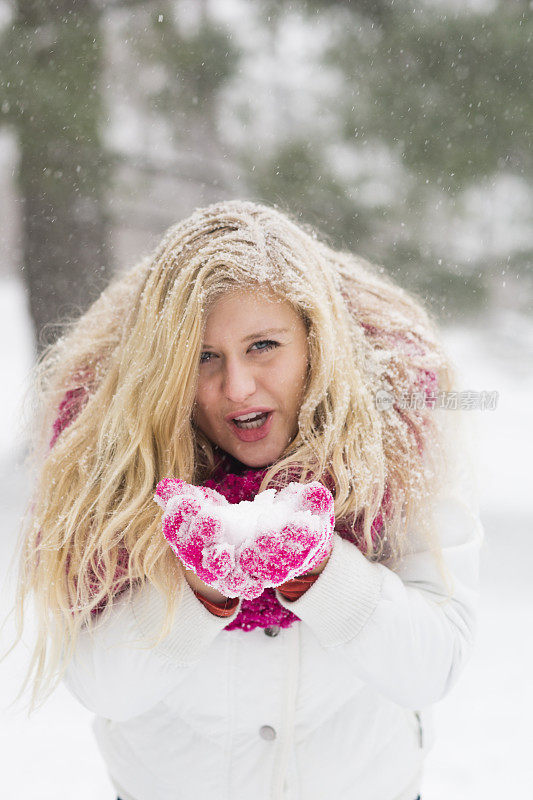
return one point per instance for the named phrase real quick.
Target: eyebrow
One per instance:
(267, 332)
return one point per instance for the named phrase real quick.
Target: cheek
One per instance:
(201, 404)
(203, 398)
(204, 421)
(290, 375)
(301, 371)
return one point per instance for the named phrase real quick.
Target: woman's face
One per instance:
(254, 359)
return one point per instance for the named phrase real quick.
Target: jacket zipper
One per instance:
(280, 785)
(420, 731)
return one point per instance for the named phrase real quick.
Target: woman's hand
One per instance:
(319, 567)
(204, 589)
(291, 533)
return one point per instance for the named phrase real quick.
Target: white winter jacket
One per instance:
(335, 706)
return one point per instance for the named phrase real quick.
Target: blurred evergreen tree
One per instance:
(50, 62)
(445, 95)
(373, 120)
(196, 58)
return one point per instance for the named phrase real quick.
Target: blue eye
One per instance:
(268, 342)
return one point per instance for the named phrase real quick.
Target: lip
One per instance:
(252, 434)
(254, 410)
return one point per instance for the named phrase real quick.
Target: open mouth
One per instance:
(256, 422)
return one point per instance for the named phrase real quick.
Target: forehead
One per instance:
(239, 308)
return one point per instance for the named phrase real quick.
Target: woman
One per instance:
(322, 686)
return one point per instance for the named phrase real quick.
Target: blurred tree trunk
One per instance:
(57, 110)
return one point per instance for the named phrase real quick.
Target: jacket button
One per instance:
(272, 631)
(267, 732)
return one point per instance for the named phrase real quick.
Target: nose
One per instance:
(238, 381)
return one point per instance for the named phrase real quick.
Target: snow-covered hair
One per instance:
(130, 364)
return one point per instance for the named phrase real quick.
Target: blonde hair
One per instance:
(136, 352)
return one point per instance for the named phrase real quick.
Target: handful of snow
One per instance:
(242, 548)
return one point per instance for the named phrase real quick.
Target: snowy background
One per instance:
(483, 726)
(402, 131)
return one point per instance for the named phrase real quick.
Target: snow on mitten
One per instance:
(296, 536)
(182, 504)
(242, 548)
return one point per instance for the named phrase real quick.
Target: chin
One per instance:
(256, 461)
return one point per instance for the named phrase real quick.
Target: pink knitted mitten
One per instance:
(242, 548)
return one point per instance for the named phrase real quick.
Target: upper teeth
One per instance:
(245, 417)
